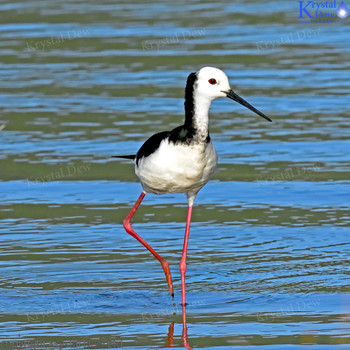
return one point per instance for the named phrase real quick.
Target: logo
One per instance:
(342, 11)
(322, 12)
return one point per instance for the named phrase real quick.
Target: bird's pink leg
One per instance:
(130, 231)
(183, 266)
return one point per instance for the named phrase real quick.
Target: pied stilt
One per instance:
(183, 159)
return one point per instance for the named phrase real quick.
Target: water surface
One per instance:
(268, 258)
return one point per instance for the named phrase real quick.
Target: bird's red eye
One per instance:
(212, 81)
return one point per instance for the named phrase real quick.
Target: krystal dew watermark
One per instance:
(56, 40)
(299, 306)
(289, 174)
(63, 172)
(76, 343)
(290, 38)
(56, 309)
(171, 40)
(322, 12)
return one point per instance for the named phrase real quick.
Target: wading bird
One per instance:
(183, 160)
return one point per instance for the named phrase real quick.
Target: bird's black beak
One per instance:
(233, 96)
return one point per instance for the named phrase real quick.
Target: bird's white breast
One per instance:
(177, 167)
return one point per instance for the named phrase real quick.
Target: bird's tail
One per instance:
(128, 156)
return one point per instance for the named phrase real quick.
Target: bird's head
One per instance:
(213, 83)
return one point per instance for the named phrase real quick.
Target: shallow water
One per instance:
(268, 258)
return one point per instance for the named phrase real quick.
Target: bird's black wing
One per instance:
(128, 156)
(151, 145)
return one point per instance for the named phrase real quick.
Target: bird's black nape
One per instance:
(128, 156)
(189, 102)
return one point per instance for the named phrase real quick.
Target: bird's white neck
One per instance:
(197, 116)
(200, 117)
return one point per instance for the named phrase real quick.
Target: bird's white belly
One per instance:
(177, 168)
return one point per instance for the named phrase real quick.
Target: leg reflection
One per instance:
(170, 342)
(184, 328)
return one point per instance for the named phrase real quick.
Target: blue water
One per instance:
(268, 252)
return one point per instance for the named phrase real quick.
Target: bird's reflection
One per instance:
(184, 329)
(170, 342)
